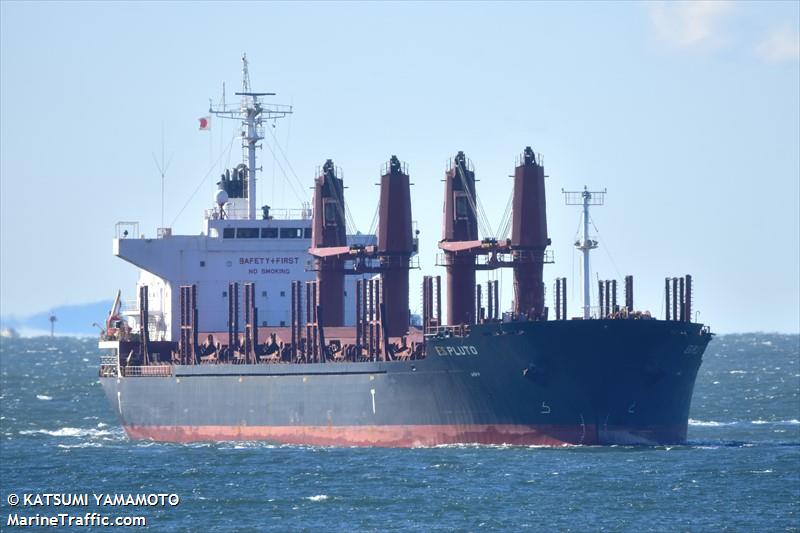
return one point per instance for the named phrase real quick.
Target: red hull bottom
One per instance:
(405, 436)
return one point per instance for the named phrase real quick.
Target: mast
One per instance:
(585, 245)
(252, 113)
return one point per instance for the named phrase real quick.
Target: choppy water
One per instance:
(740, 472)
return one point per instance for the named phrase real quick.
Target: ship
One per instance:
(281, 326)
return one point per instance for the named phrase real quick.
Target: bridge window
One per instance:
(291, 233)
(269, 233)
(307, 233)
(228, 233)
(247, 233)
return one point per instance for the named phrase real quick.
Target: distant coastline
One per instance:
(72, 320)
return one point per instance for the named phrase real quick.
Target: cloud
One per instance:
(781, 44)
(690, 24)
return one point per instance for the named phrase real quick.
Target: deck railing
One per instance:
(158, 371)
(460, 330)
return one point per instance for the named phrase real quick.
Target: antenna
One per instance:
(585, 198)
(252, 114)
(162, 169)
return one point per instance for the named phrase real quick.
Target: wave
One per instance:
(81, 445)
(317, 498)
(757, 422)
(709, 423)
(790, 422)
(70, 432)
(714, 444)
(43, 397)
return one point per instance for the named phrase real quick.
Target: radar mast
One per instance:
(252, 113)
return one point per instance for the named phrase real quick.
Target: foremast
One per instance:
(585, 198)
(252, 113)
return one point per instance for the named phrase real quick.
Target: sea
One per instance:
(740, 470)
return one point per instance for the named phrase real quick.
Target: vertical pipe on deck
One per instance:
(688, 298)
(182, 305)
(183, 348)
(682, 303)
(308, 344)
(629, 293)
(195, 323)
(614, 307)
(478, 302)
(364, 311)
(358, 312)
(230, 317)
(315, 329)
(371, 317)
(674, 298)
(490, 300)
(600, 298)
(558, 298)
(254, 320)
(294, 321)
(379, 317)
(300, 299)
(144, 319)
(322, 350)
(439, 300)
(666, 299)
(236, 314)
(248, 347)
(427, 303)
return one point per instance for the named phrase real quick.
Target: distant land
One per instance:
(73, 320)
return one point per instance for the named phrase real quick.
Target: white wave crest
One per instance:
(43, 397)
(709, 423)
(317, 498)
(81, 445)
(69, 432)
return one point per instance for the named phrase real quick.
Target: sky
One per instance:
(687, 113)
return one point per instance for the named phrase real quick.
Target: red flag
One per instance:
(205, 123)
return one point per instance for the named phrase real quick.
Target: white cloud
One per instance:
(781, 44)
(690, 24)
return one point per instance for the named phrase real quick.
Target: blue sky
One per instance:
(687, 113)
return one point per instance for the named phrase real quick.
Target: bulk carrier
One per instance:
(281, 326)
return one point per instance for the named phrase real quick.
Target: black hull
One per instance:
(556, 382)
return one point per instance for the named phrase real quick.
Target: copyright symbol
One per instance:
(12, 499)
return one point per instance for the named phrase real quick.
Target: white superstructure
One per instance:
(268, 247)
